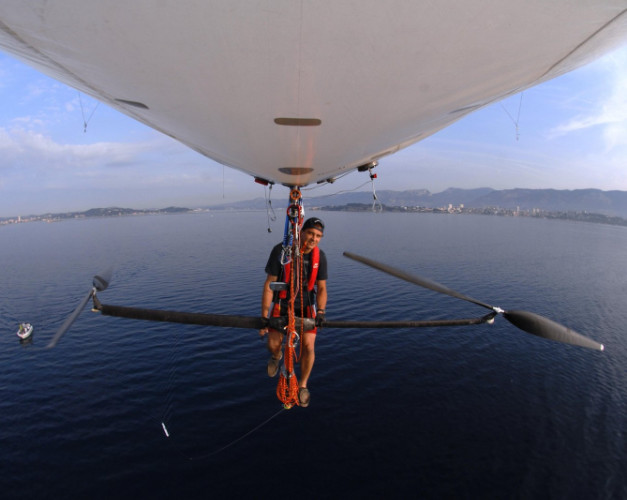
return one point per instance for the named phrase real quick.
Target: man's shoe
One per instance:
(303, 397)
(273, 365)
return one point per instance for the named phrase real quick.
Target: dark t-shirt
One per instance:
(274, 268)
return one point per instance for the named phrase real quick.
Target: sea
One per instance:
(136, 409)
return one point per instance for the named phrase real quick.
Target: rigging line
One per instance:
(287, 387)
(86, 122)
(223, 448)
(270, 213)
(517, 120)
(519, 107)
(172, 360)
(339, 192)
(323, 183)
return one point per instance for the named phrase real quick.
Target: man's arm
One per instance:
(266, 296)
(321, 294)
(266, 300)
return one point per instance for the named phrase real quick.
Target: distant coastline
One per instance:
(94, 212)
(572, 215)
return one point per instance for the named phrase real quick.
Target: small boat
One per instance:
(25, 330)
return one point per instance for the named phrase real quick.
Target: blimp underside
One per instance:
(297, 92)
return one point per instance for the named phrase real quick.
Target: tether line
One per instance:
(223, 448)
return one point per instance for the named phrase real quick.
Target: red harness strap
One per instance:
(315, 263)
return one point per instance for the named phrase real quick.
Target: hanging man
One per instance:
(314, 301)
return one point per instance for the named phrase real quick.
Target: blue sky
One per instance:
(572, 133)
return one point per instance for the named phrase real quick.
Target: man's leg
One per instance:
(274, 343)
(275, 339)
(306, 364)
(307, 358)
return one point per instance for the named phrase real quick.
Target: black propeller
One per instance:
(527, 321)
(100, 283)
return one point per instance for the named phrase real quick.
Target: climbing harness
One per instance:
(313, 273)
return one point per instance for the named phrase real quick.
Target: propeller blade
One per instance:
(526, 321)
(417, 280)
(100, 282)
(68, 322)
(544, 327)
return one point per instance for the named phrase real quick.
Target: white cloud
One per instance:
(26, 155)
(609, 111)
(37, 149)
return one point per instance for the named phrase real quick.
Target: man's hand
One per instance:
(262, 332)
(319, 318)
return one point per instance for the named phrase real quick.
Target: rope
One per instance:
(303, 290)
(173, 361)
(287, 387)
(223, 448)
(270, 214)
(322, 184)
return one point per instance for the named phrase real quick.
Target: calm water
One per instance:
(464, 412)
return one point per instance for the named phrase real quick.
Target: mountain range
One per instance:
(612, 203)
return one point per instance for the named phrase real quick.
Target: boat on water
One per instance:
(25, 330)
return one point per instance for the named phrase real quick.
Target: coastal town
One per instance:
(581, 216)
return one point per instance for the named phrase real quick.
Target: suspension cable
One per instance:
(86, 120)
(517, 120)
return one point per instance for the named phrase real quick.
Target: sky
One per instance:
(571, 133)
